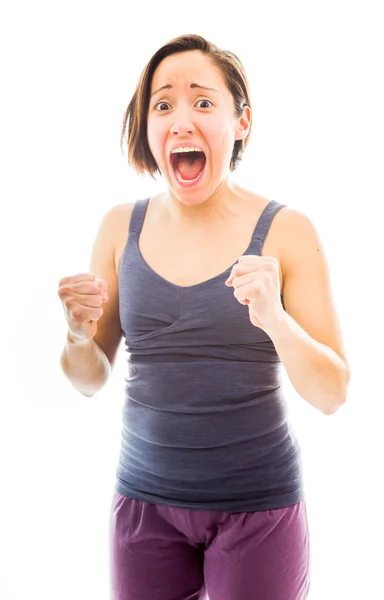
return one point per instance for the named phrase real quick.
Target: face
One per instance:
(183, 115)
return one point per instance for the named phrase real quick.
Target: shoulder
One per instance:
(121, 210)
(296, 237)
(288, 218)
(115, 213)
(117, 221)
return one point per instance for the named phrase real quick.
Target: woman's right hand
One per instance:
(82, 296)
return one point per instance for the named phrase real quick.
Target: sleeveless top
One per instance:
(205, 421)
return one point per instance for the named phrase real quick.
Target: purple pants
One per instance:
(160, 552)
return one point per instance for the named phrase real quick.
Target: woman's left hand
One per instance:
(257, 284)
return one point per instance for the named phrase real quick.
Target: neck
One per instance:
(224, 203)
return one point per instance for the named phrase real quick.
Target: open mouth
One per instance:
(188, 167)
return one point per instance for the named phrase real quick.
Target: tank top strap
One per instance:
(137, 215)
(263, 225)
(259, 234)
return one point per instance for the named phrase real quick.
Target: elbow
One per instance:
(341, 398)
(330, 410)
(90, 392)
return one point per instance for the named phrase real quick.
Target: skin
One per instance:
(186, 234)
(182, 115)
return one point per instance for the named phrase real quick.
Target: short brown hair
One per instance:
(139, 154)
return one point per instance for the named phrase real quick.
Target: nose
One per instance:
(182, 123)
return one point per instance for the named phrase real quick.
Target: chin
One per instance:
(189, 199)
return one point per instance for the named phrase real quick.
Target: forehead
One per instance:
(185, 67)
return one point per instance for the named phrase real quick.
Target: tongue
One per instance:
(189, 167)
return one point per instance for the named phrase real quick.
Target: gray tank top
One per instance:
(205, 422)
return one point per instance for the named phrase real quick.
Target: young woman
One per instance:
(213, 288)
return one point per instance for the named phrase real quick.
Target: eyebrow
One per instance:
(168, 86)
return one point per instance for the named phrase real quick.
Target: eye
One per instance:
(206, 101)
(156, 105)
(161, 103)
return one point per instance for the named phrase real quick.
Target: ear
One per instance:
(243, 124)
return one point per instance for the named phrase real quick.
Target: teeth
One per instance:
(186, 149)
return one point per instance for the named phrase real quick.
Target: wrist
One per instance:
(72, 340)
(280, 326)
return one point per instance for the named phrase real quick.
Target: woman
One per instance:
(209, 493)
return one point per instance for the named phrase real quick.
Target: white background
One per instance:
(68, 71)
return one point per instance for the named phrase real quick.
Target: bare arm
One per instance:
(309, 340)
(85, 365)
(89, 364)
(319, 375)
